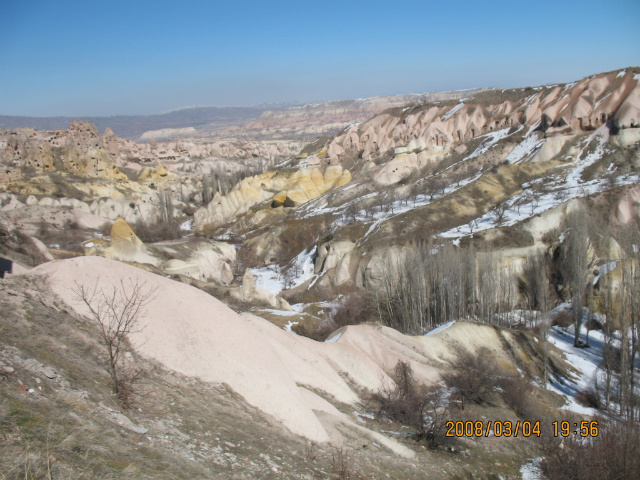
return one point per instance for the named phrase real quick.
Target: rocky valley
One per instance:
(328, 290)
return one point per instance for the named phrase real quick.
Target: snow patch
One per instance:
(334, 338)
(601, 136)
(282, 313)
(187, 226)
(532, 470)
(275, 278)
(492, 139)
(604, 269)
(303, 267)
(288, 326)
(441, 328)
(269, 279)
(584, 360)
(448, 115)
(524, 149)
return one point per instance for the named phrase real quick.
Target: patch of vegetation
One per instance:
(424, 409)
(158, 231)
(611, 454)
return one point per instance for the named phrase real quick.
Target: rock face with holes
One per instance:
(79, 150)
(423, 134)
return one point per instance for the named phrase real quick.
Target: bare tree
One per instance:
(500, 211)
(576, 266)
(473, 225)
(117, 312)
(416, 190)
(428, 285)
(488, 288)
(536, 290)
(350, 214)
(166, 208)
(433, 186)
(623, 312)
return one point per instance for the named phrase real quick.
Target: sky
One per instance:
(101, 58)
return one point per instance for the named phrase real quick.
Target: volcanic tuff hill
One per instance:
(443, 169)
(309, 238)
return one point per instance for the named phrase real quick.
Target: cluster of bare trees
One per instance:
(223, 184)
(165, 227)
(577, 265)
(436, 283)
(621, 303)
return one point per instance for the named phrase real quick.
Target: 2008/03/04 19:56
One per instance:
(513, 429)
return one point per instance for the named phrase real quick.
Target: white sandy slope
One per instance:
(276, 371)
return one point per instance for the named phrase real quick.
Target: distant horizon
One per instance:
(298, 103)
(84, 59)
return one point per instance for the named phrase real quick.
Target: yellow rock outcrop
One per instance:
(95, 163)
(153, 174)
(297, 187)
(125, 245)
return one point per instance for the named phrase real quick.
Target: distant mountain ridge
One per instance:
(132, 126)
(290, 119)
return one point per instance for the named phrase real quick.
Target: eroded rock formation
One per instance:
(282, 188)
(419, 135)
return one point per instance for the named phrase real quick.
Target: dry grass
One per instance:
(195, 430)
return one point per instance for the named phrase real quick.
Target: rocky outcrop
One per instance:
(282, 188)
(419, 135)
(123, 244)
(209, 262)
(252, 294)
(628, 208)
(79, 150)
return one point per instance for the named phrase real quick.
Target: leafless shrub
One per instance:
(117, 313)
(157, 231)
(349, 309)
(295, 238)
(612, 454)
(70, 237)
(424, 409)
(517, 393)
(562, 319)
(311, 451)
(474, 375)
(589, 397)
(342, 465)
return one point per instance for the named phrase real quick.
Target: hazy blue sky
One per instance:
(124, 57)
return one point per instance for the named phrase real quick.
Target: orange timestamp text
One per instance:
(508, 428)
